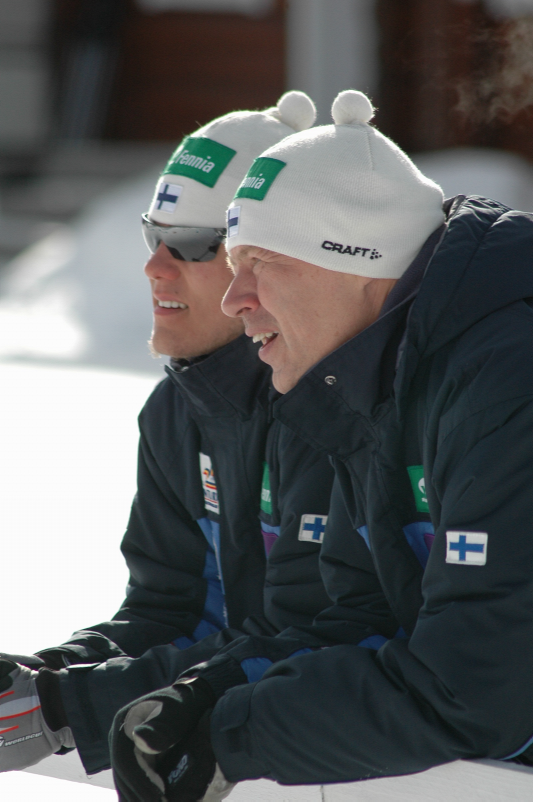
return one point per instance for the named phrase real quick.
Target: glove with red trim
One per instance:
(29, 733)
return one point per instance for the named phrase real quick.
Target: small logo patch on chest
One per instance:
(466, 548)
(312, 528)
(266, 494)
(418, 483)
(209, 484)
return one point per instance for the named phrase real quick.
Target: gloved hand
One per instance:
(29, 733)
(161, 750)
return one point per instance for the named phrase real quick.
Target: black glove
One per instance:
(160, 746)
(187, 772)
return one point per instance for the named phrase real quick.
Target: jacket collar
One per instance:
(229, 381)
(355, 380)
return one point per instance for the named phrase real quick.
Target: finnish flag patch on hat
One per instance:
(234, 215)
(167, 196)
(312, 528)
(466, 548)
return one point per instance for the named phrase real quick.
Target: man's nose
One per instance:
(162, 265)
(241, 295)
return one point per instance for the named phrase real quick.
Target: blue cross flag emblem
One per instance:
(312, 528)
(233, 220)
(466, 548)
(167, 196)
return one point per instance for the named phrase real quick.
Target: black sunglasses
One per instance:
(183, 242)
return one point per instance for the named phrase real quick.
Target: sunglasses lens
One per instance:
(187, 244)
(150, 237)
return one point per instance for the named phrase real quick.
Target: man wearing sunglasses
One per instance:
(209, 463)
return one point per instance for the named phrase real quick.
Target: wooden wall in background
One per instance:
(169, 73)
(429, 49)
(179, 70)
(166, 73)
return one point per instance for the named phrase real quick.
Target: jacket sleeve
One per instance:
(165, 551)
(460, 687)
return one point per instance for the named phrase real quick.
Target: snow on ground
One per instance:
(494, 174)
(67, 473)
(80, 295)
(23, 787)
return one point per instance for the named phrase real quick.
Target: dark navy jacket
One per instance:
(194, 546)
(434, 469)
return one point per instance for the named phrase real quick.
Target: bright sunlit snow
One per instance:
(23, 787)
(80, 294)
(494, 174)
(67, 473)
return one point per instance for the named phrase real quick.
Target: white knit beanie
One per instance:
(340, 196)
(205, 170)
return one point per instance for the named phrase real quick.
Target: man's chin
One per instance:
(153, 350)
(158, 347)
(189, 347)
(284, 381)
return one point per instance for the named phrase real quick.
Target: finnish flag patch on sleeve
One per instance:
(234, 215)
(466, 548)
(312, 528)
(167, 196)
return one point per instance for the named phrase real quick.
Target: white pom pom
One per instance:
(351, 107)
(297, 110)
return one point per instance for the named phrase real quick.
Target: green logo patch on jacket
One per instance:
(200, 158)
(416, 475)
(259, 178)
(266, 495)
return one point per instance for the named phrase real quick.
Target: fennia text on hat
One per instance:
(205, 170)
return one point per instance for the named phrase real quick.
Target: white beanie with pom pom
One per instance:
(203, 173)
(340, 196)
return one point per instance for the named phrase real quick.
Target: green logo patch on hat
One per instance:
(416, 475)
(259, 178)
(200, 158)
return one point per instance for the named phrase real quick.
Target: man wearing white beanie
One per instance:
(204, 567)
(399, 329)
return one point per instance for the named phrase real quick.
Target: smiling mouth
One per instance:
(265, 337)
(172, 305)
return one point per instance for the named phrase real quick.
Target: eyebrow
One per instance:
(244, 254)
